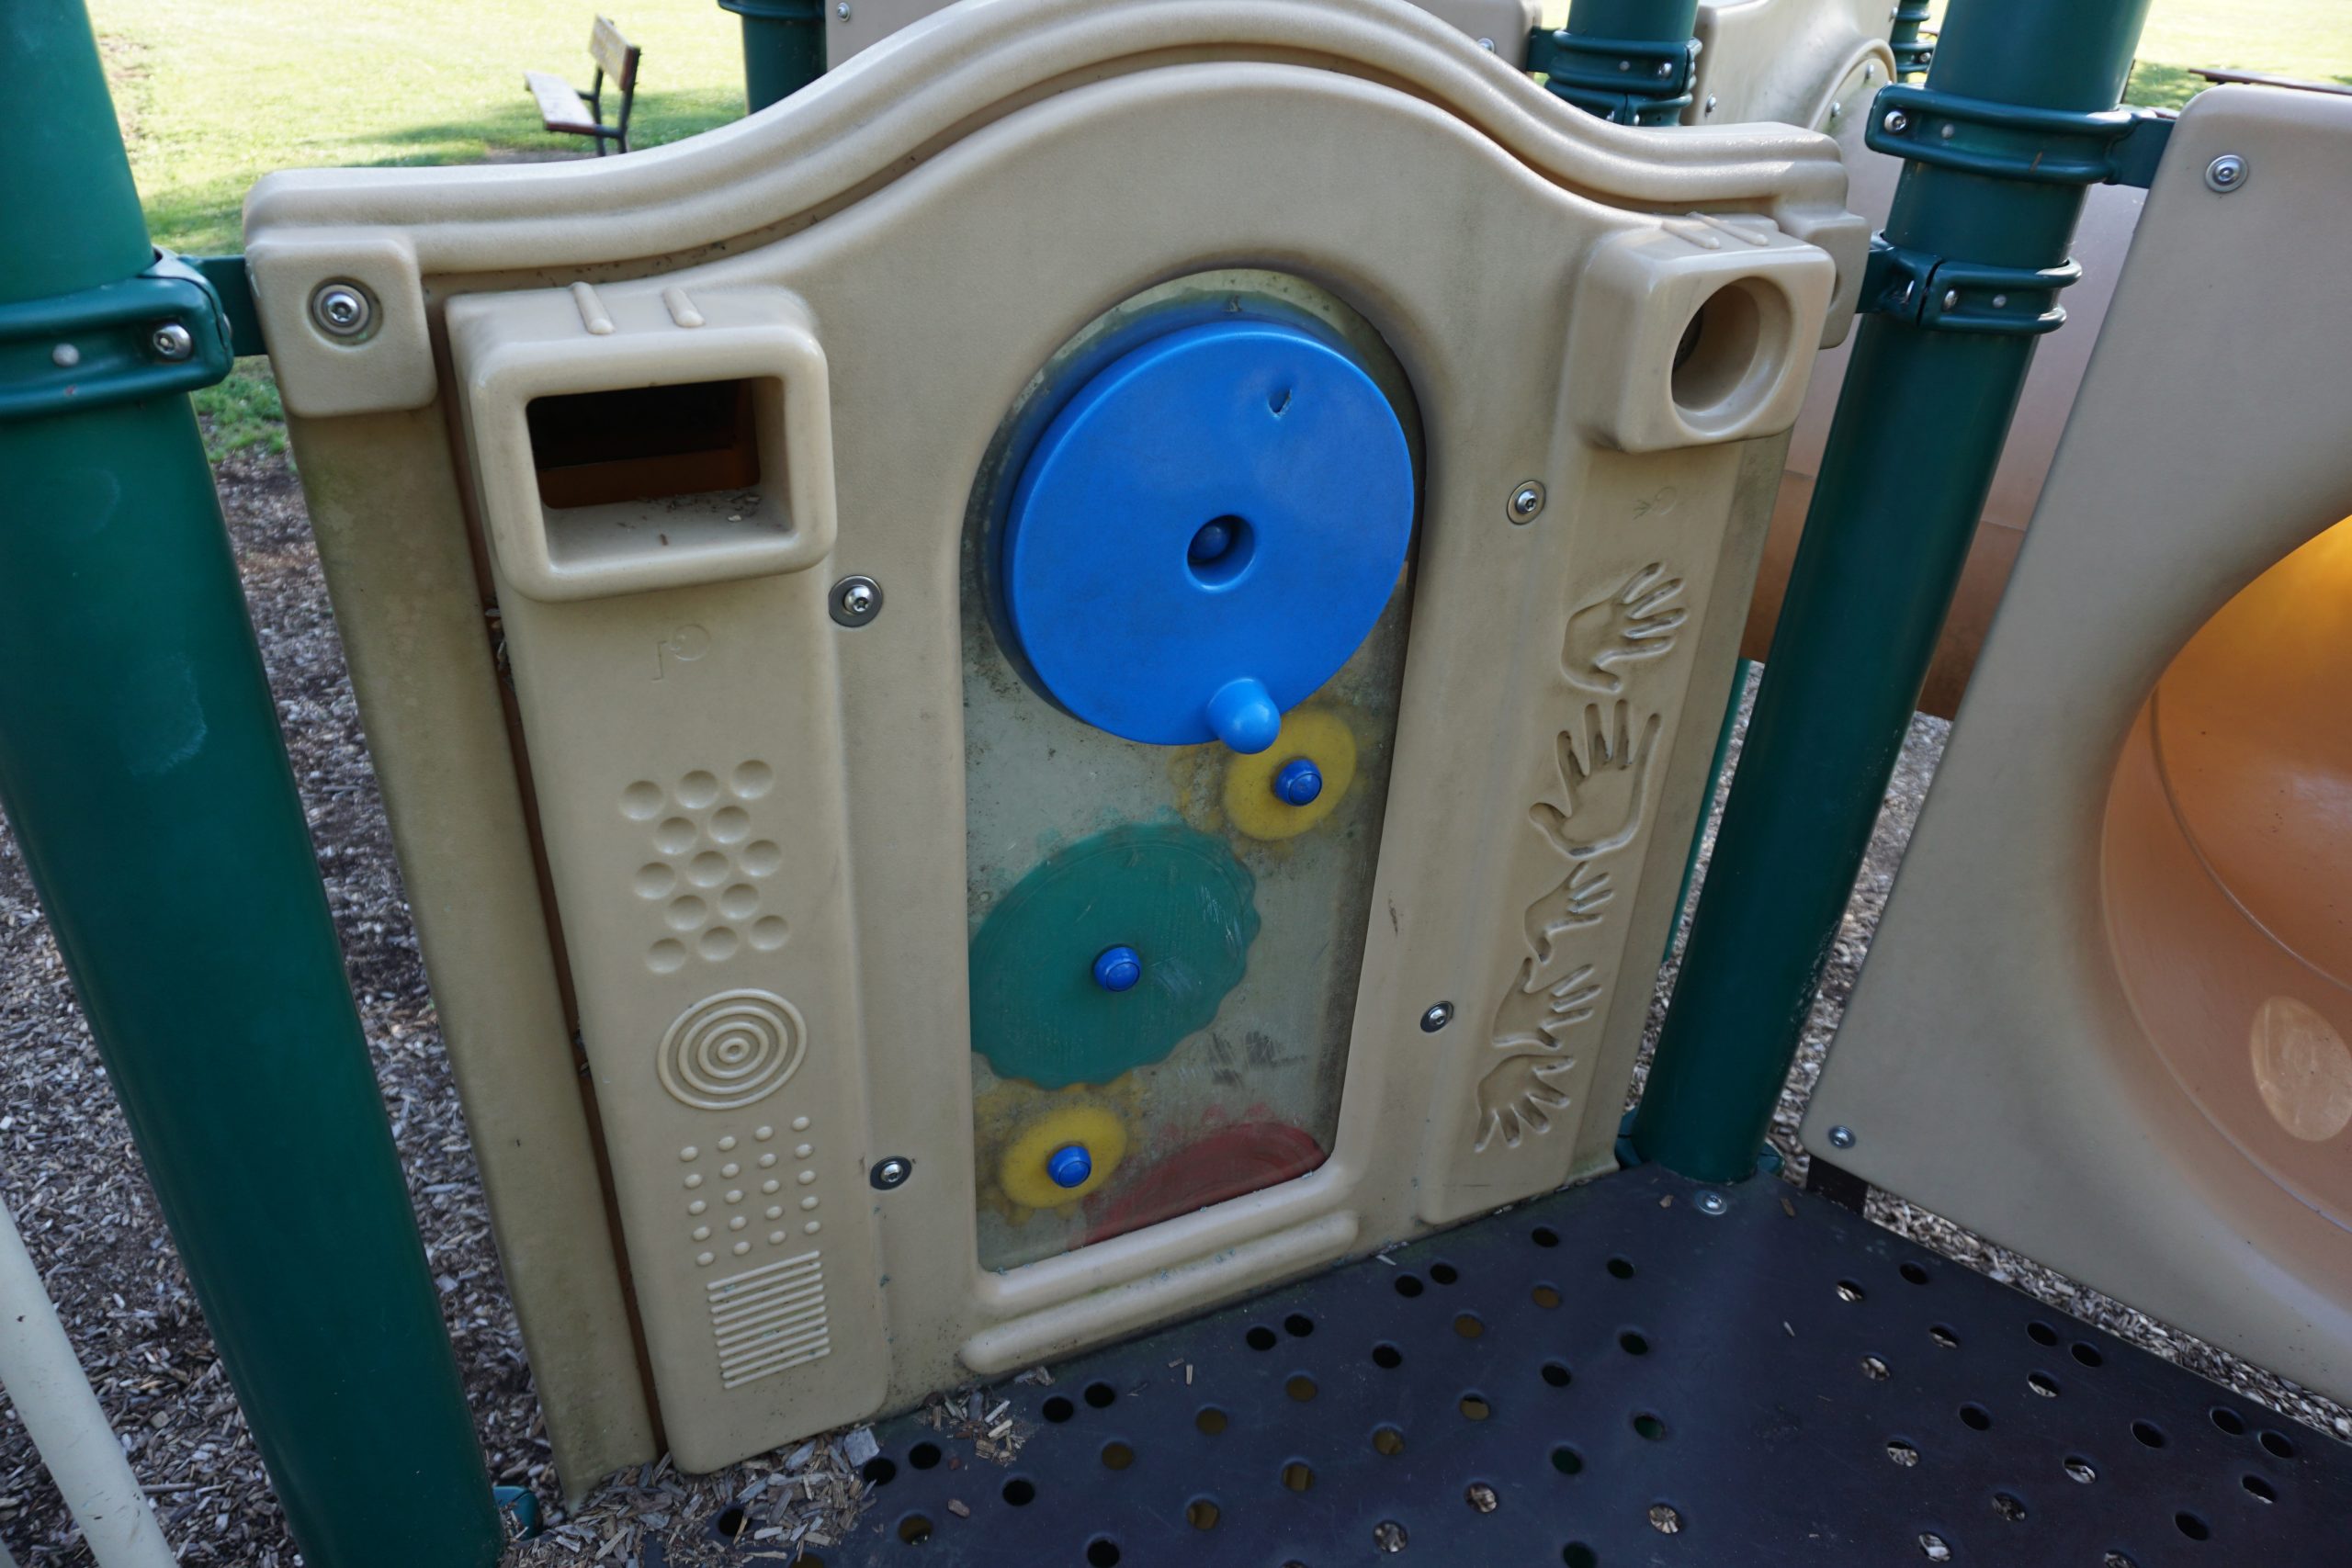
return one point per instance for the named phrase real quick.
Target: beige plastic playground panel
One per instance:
(2105, 1018)
(1499, 27)
(742, 820)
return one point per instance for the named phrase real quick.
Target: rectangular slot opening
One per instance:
(635, 444)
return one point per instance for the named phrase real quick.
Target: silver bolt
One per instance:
(2225, 174)
(1841, 1138)
(892, 1172)
(856, 600)
(1624, 65)
(1488, 44)
(1951, 299)
(1896, 122)
(1664, 69)
(1439, 1015)
(1834, 110)
(170, 341)
(842, 10)
(65, 356)
(2000, 301)
(1870, 71)
(1946, 129)
(1527, 502)
(1711, 1202)
(1711, 103)
(342, 310)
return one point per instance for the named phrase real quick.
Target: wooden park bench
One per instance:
(562, 109)
(2261, 79)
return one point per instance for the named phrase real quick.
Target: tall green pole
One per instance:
(141, 766)
(1919, 425)
(1628, 61)
(783, 47)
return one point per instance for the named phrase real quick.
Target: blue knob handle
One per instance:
(1300, 782)
(1070, 1166)
(1118, 968)
(1244, 716)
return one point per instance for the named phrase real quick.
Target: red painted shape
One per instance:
(1226, 1164)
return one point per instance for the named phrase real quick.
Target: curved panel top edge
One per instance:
(976, 60)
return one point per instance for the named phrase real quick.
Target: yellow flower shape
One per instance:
(1316, 733)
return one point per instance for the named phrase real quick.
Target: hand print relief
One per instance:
(1634, 622)
(1603, 761)
(1603, 784)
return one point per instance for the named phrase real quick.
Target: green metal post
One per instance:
(1912, 55)
(1628, 61)
(783, 47)
(142, 765)
(1919, 425)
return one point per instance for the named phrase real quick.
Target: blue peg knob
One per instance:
(1244, 716)
(1070, 1166)
(1211, 543)
(1300, 782)
(1118, 968)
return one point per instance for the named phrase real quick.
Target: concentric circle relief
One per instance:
(732, 1049)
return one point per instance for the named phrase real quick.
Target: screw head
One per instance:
(1946, 131)
(1711, 1202)
(1527, 502)
(1841, 1138)
(1488, 44)
(65, 356)
(2225, 174)
(1664, 69)
(1437, 1016)
(856, 600)
(842, 10)
(342, 310)
(1835, 110)
(1711, 103)
(891, 1172)
(170, 341)
(1951, 299)
(1896, 122)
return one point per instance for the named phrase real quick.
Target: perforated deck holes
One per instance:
(922, 1456)
(1473, 1408)
(1387, 1356)
(1914, 1272)
(1665, 1518)
(1300, 1387)
(914, 1530)
(2277, 1445)
(1202, 1514)
(1975, 1417)
(1849, 1291)
(1944, 1336)
(1650, 1425)
(2149, 1433)
(2042, 1383)
(1576, 1554)
(1621, 1267)
(1544, 1236)
(1298, 1325)
(2087, 1354)
(2080, 1469)
(1902, 1453)
(2041, 1333)
(2192, 1527)
(2228, 1420)
(1019, 1491)
(1556, 1375)
(1409, 1285)
(1101, 1396)
(1469, 1325)
(1482, 1498)
(1103, 1552)
(1388, 1535)
(2260, 1488)
(2009, 1506)
(1633, 1342)
(1298, 1475)
(1209, 1419)
(1546, 1297)
(1566, 1460)
(1387, 1441)
(879, 1470)
(1875, 1368)
(1444, 1273)
(1057, 1409)
(1261, 1338)
(1117, 1455)
(1934, 1548)
(731, 1522)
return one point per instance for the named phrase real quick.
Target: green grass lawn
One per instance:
(214, 94)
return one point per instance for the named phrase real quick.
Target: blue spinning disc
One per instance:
(1206, 531)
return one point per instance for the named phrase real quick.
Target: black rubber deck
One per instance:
(1613, 1377)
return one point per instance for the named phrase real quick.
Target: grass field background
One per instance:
(214, 94)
